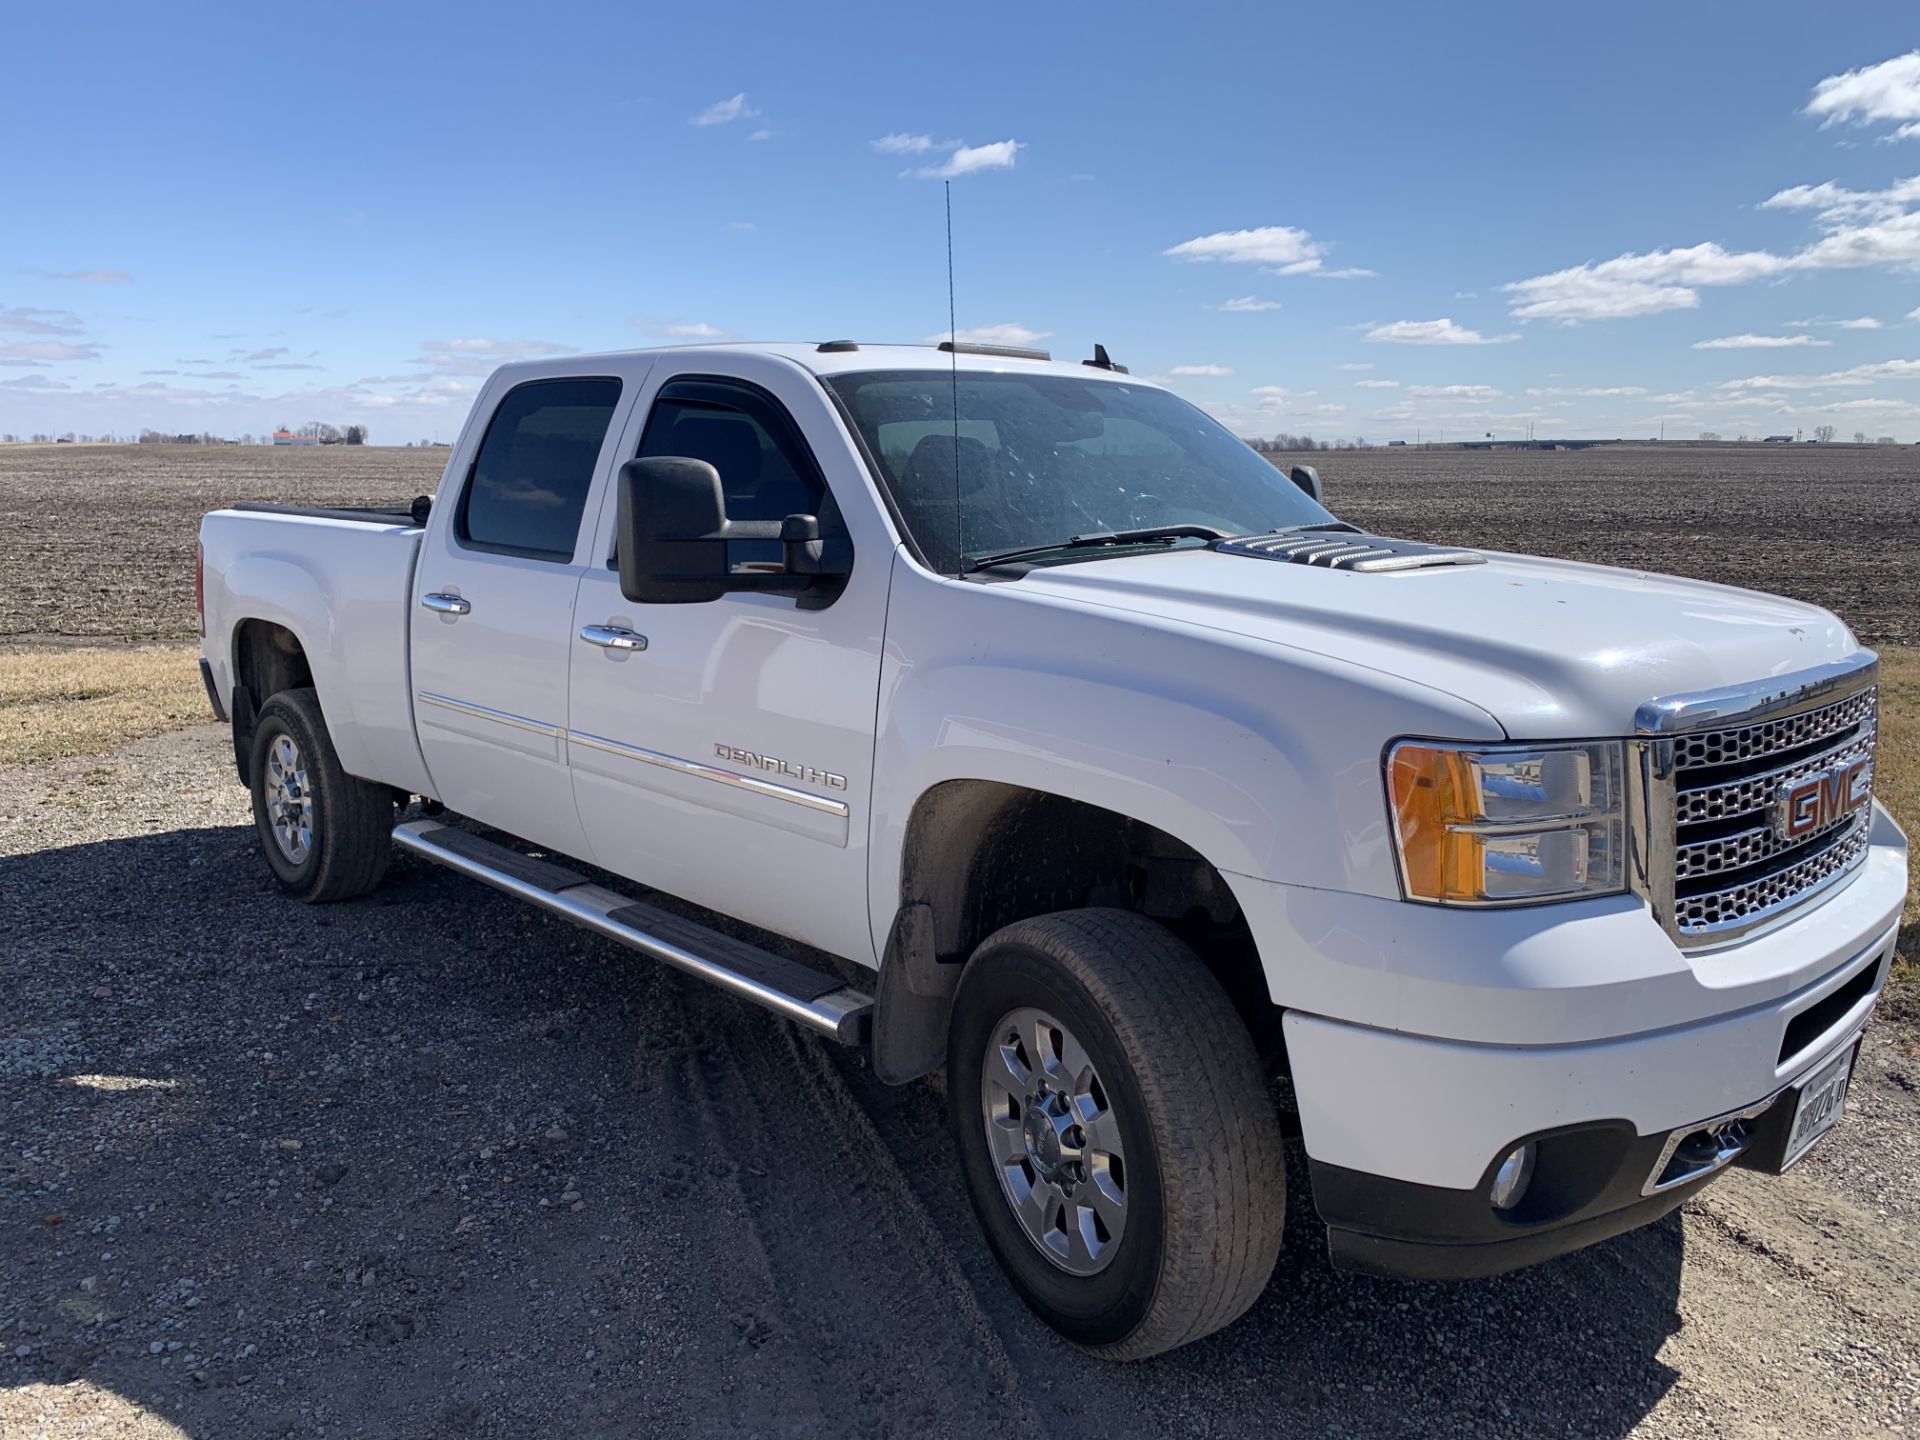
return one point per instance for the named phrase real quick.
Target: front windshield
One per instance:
(1037, 459)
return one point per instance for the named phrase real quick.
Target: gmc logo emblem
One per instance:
(1822, 799)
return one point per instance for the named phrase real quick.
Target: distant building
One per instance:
(1778, 440)
(287, 437)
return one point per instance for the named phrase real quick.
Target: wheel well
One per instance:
(267, 659)
(981, 854)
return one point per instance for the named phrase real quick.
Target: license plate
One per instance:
(1822, 1099)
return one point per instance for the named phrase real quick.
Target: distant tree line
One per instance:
(1284, 444)
(326, 434)
(329, 434)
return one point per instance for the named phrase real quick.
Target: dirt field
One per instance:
(98, 541)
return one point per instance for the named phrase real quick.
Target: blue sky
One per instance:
(1347, 219)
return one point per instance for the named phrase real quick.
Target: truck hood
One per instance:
(1549, 648)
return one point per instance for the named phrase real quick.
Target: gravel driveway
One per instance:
(432, 1165)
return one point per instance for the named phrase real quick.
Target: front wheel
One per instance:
(1115, 1131)
(327, 835)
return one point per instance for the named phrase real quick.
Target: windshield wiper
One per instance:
(1101, 539)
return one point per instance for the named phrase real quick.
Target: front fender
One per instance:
(1263, 759)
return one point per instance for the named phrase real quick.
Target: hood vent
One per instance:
(1347, 551)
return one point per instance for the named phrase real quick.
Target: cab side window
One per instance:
(762, 477)
(528, 485)
(766, 470)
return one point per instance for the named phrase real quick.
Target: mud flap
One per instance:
(914, 1001)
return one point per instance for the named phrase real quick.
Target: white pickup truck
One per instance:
(1105, 768)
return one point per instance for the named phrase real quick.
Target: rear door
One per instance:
(731, 760)
(493, 606)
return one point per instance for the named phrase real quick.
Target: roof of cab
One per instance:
(809, 356)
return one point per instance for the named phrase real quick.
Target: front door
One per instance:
(730, 760)
(493, 609)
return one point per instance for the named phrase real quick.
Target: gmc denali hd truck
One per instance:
(1124, 781)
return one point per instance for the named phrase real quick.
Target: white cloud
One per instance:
(1757, 342)
(1198, 371)
(1887, 93)
(761, 135)
(92, 277)
(1246, 305)
(29, 320)
(1857, 375)
(1914, 314)
(741, 227)
(1894, 241)
(477, 355)
(1352, 272)
(1862, 322)
(1433, 332)
(1378, 384)
(680, 329)
(722, 112)
(1003, 334)
(1283, 248)
(1630, 285)
(42, 351)
(900, 143)
(1835, 205)
(1354, 365)
(1455, 392)
(1594, 392)
(969, 159)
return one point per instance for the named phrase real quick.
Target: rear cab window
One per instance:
(527, 488)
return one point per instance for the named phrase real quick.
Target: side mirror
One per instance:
(1308, 479)
(671, 533)
(670, 524)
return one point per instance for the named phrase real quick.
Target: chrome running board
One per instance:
(821, 1002)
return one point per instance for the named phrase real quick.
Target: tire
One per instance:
(1176, 1102)
(326, 835)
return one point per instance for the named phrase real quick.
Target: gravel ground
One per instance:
(430, 1165)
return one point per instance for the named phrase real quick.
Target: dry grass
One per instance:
(1896, 777)
(55, 703)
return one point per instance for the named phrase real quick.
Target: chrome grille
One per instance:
(1738, 797)
(1743, 742)
(1759, 898)
(1713, 768)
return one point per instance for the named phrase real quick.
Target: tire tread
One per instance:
(1223, 1170)
(355, 840)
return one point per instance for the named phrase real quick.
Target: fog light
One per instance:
(1510, 1180)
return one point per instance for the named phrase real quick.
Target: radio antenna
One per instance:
(953, 370)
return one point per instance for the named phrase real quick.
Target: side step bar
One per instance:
(822, 1002)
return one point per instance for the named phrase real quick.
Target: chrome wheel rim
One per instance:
(289, 800)
(1054, 1141)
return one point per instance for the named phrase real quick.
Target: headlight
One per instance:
(1508, 824)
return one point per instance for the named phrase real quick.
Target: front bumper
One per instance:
(1447, 1038)
(1590, 1183)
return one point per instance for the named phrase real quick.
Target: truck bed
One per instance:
(414, 516)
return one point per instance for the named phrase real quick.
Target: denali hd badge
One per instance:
(1823, 798)
(811, 776)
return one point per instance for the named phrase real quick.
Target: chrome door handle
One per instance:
(613, 637)
(447, 604)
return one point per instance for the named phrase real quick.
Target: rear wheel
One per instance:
(327, 835)
(1115, 1131)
